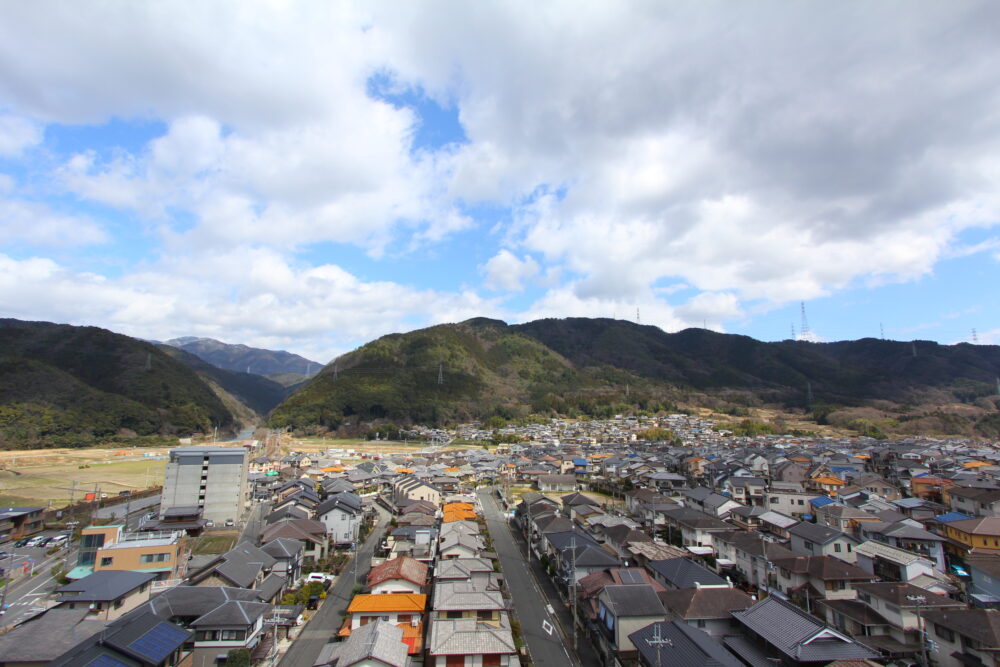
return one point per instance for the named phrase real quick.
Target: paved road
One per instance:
(24, 596)
(325, 624)
(255, 523)
(118, 510)
(529, 603)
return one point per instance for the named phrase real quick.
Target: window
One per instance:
(118, 603)
(775, 500)
(944, 633)
(484, 615)
(107, 560)
(454, 614)
(836, 547)
(848, 547)
(232, 635)
(801, 502)
(701, 624)
(807, 545)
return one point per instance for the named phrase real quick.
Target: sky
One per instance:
(309, 176)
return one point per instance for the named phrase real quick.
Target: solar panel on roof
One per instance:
(105, 661)
(632, 577)
(158, 642)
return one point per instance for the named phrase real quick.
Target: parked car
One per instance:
(58, 541)
(23, 542)
(4, 554)
(37, 541)
(44, 541)
(322, 577)
(230, 522)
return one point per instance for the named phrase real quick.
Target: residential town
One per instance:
(567, 543)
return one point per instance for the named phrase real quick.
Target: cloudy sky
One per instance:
(311, 175)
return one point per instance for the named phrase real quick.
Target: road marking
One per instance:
(547, 627)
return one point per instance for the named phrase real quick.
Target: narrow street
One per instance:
(530, 605)
(325, 624)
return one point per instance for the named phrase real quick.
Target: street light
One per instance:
(919, 600)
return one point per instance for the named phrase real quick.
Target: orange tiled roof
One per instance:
(452, 469)
(458, 506)
(404, 471)
(836, 481)
(975, 464)
(365, 602)
(457, 516)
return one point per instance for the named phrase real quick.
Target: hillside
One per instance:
(256, 392)
(282, 367)
(62, 385)
(447, 373)
(600, 366)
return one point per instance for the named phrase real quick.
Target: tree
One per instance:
(238, 657)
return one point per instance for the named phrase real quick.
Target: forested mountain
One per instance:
(62, 385)
(578, 366)
(283, 367)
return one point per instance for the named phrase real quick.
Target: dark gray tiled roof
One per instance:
(626, 600)
(105, 585)
(685, 573)
(680, 645)
(815, 532)
(798, 635)
(232, 614)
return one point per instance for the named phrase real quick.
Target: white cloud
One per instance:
(17, 134)
(37, 225)
(247, 295)
(756, 154)
(504, 271)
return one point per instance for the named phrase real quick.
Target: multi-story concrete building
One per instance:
(213, 479)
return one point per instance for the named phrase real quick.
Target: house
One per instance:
(908, 535)
(892, 564)
(706, 608)
(969, 536)
(465, 642)
(461, 545)
(777, 524)
(695, 527)
(287, 554)
(887, 615)
(402, 609)
(963, 637)
(777, 631)
(978, 502)
(811, 539)
(749, 556)
(398, 575)
(222, 618)
(591, 586)
(478, 571)
(341, 513)
(311, 533)
(410, 487)
(378, 644)
(463, 599)
(684, 573)
(789, 499)
(576, 554)
(747, 490)
(109, 547)
(556, 482)
(106, 595)
(243, 566)
(138, 638)
(20, 522)
(818, 577)
(622, 610)
(984, 585)
(679, 645)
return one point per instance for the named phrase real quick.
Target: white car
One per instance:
(321, 577)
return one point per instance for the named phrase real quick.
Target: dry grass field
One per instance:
(47, 477)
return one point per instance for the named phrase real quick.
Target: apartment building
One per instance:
(214, 479)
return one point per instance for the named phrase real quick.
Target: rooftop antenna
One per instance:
(659, 641)
(804, 328)
(440, 374)
(975, 337)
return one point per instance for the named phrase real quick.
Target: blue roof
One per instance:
(842, 469)
(948, 517)
(821, 501)
(159, 642)
(579, 462)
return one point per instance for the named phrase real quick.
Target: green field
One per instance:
(52, 484)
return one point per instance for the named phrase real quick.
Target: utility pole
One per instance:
(920, 600)
(572, 585)
(659, 641)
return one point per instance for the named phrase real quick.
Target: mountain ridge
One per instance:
(598, 365)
